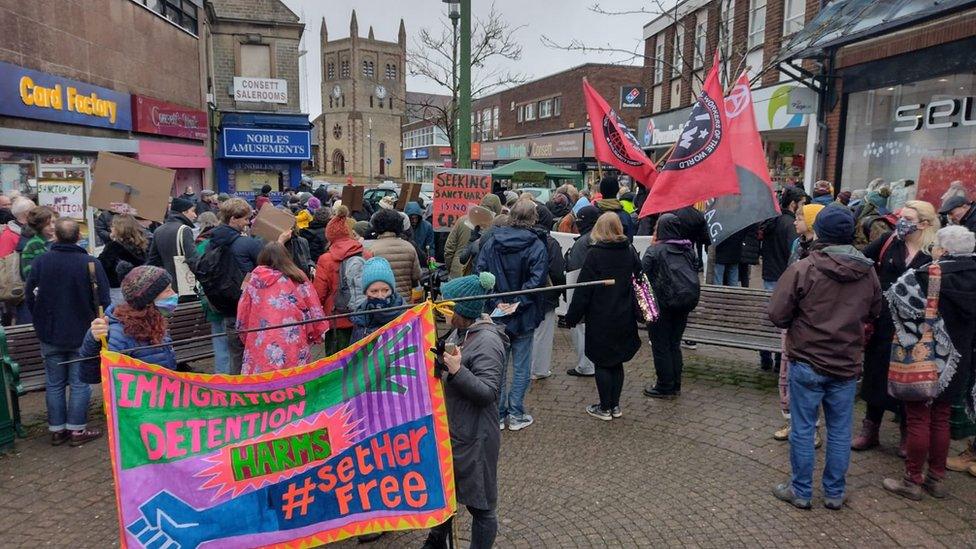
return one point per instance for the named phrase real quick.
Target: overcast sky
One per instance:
(560, 20)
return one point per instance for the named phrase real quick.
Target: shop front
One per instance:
(784, 113)
(563, 150)
(191, 161)
(419, 163)
(914, 129)
(52, 128)
(261, 149)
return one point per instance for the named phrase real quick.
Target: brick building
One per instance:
(545, 119)
(263, 137)
(678, 49)
(426, 146)
(363, 99)
(898, 81)
(76, 78)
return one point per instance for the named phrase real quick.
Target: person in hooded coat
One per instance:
(585, 220)
(472, 383)
(542, 339)
(315, 234)
(610, 312)
(609, 189)
(519, 261)
(460, 236)
(671, 253)
(423, 232)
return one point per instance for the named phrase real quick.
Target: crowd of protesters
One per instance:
(849, 275)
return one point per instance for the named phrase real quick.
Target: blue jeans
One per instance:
(511, 399)
(72, 415)
(726, 275)
(808, 390)
(769, 284)
(221, 353)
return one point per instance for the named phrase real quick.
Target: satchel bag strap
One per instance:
(935, 285)
(179, 240)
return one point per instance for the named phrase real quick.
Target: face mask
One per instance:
(167, 305)
(905, 227)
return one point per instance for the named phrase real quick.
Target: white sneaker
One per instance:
(516, 423)
(501, 424)
(536, 377)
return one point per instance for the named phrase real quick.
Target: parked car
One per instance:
(374, 195)
(427, 192)
(541, 194)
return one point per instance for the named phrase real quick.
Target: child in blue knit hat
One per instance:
(379, 285)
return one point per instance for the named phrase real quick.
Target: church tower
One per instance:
(363, 91)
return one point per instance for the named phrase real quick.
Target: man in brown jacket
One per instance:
(402, 255)
(823, 302)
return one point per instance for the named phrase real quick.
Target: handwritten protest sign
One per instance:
(454, 191)
(351, 444)
(65, 196)
(126, 185)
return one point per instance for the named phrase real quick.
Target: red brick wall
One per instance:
(774, 38)
(606, 79)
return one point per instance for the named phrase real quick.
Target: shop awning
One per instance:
(528, 165)
(173, 155)
(847, 21)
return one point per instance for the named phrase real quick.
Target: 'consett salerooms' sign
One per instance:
(268, 144)
(260, 90)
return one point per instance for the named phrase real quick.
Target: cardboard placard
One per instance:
(352, 197)
(65, 196)
(125, 185)
(408, 193)
(454, 191)
(271, 222)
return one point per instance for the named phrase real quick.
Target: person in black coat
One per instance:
(893, 254)
(127, 243)
(610, 312)
(315, 233)
(542, 338)
(728, 256)
(694, 228)
(176, 233)
(776, 242)
(750, 253)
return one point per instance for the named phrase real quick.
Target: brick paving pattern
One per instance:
(693, 472)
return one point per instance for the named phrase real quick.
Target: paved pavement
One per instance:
(692, 472)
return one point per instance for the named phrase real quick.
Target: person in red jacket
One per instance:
(337, 297)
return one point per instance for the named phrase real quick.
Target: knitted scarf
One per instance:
(907, 303)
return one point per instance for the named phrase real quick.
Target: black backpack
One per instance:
(676, 281)
(221, 278)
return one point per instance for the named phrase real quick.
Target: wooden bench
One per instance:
(188, 321)
(729, 316)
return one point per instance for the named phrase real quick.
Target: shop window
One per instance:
(330, 71)
(255, 60)
(338, 163)
(757, 22)
(344, 68)
(678, 54)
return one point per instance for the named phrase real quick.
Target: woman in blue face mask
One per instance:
(141, 320)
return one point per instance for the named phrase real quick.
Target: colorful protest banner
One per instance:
(65, 196)
(454, 191)
(348, 445)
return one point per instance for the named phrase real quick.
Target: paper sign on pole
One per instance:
(300, 457)
(271, 222)
(125, 185)
(65, 196)
(454, 191)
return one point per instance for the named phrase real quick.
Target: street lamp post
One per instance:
(463, 140)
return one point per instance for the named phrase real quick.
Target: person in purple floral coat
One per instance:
(278, 292)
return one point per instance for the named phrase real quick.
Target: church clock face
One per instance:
(337, 91)
(337, 131)
(381, 92)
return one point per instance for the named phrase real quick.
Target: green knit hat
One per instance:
(469, 286)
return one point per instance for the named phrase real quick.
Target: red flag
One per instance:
(728, 214)
(613, 142)
(700, 165)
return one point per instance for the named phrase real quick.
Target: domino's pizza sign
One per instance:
(632, 97)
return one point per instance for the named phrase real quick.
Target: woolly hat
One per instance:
(222, 197)
(844, 197)
(835, 225)
(377, 269)
(586, 218)
(265, 189)
(609, 186)
(337, 229)
(821, 188)
(313, 204)
(180, 205)
(143, 284)
(362, 228)
(810, 212)
(469, 286)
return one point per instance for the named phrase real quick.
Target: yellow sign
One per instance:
(35, 95)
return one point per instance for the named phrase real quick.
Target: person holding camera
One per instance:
(470, 361)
